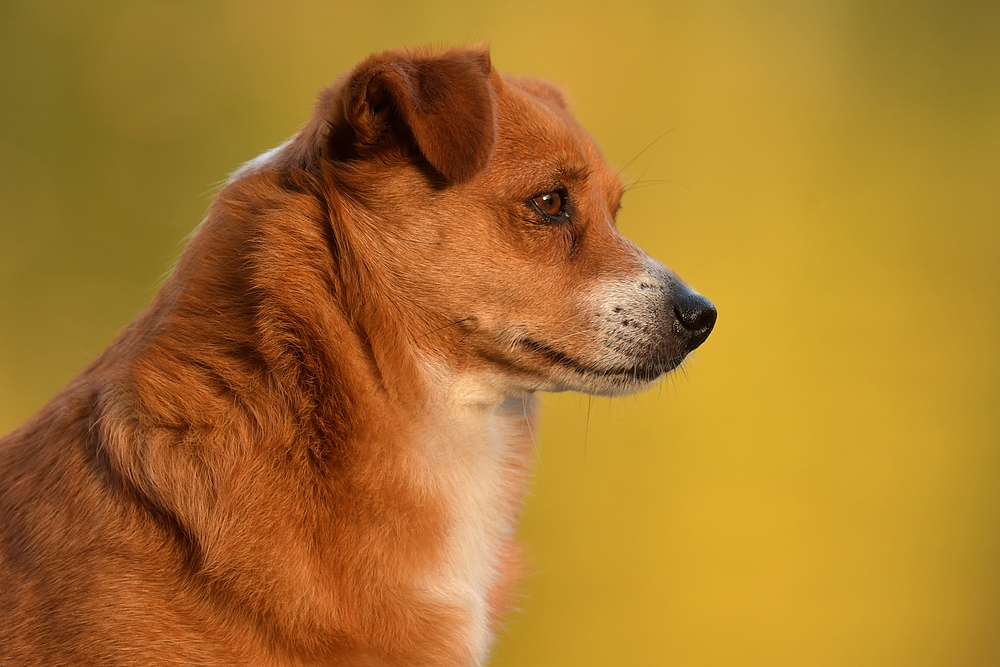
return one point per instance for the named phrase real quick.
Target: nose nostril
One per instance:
(695, 320)
(695, 313)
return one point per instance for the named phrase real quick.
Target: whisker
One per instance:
(531, 432)
(648, 146)
(462, 339)
(654, 181)
(451, 324)
(577, 333)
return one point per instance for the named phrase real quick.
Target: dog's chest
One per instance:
(477, 459)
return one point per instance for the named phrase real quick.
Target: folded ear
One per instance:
(445, 99)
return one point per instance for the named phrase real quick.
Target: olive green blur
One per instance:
(819, 485)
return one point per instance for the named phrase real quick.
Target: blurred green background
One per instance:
(820, 486)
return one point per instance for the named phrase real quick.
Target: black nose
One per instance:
(696, 315)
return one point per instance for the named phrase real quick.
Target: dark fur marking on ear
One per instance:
(445, 101)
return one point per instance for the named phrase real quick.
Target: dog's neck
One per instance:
(476, 446)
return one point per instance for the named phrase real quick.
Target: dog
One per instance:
(312, 447)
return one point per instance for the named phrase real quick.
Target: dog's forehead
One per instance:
(537, 131)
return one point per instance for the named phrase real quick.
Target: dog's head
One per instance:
(481, 218)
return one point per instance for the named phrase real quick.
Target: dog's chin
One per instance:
(561, 372)
(620, 381)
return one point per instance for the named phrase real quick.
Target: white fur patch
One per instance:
(467, 444)
(628, 310)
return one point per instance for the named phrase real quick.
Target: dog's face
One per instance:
(517, 270)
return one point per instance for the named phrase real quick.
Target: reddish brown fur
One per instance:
(234, 481)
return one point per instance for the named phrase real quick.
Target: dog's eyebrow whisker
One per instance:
(648, 146)
(638, 180)
(655, 181)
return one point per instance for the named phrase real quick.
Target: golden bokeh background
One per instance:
(820, 486)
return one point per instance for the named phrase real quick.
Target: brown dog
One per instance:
(311, 448)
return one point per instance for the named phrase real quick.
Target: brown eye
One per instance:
(551, 203)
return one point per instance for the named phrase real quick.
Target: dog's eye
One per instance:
(550, 203)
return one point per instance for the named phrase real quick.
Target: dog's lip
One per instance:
(641, 372)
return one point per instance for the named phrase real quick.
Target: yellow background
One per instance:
(818, 487)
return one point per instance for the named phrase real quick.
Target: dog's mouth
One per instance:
(639, 373)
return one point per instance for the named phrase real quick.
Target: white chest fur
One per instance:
(473, 453)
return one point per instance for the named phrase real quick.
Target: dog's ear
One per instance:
(446, 101)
